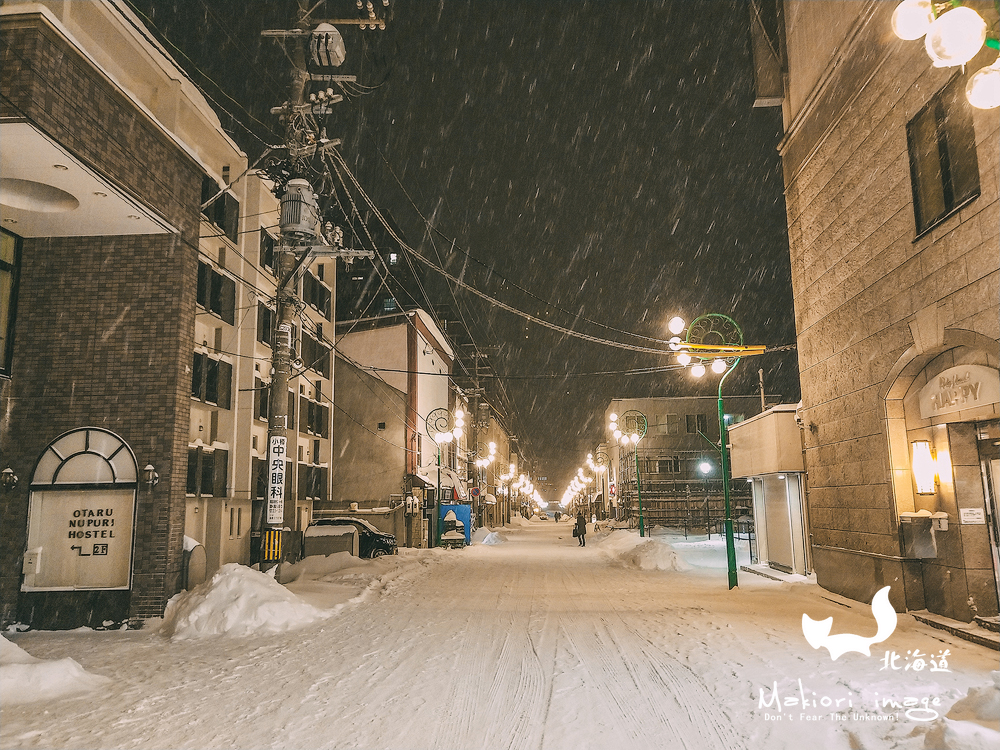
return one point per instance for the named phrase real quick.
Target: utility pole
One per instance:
(302, 238)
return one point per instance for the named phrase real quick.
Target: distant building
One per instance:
(679, 478)
(891, 192)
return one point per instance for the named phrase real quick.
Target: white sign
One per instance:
(276, 454)
(958, 388)
(970, 516)
(80, 539)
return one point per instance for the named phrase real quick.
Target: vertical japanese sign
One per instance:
(276, 452)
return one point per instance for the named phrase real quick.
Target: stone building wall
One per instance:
(861, 277)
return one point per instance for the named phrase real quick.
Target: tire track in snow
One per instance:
(653, 691)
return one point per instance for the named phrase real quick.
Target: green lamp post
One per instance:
(629, 431)
(715, 339)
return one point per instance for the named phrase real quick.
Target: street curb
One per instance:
(983, 638)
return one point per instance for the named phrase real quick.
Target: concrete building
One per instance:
(891, 192)
(678, 462)
(394, 372)
(135, 325)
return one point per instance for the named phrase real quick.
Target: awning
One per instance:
(416, 480)
(449, 478)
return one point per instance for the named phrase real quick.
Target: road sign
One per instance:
(276, 480)
(474, 492)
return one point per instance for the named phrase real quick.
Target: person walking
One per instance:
(581, 529)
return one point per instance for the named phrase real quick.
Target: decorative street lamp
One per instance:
(442, 428)
(629, 431)
(953, 34)
(598, 466)
(717, 339)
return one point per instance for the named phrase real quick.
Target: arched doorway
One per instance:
(81, 514)
(942, 417)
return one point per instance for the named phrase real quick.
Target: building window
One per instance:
(669, 465)
(314, 418)
(261, 397)
(207, 472)
(265, 324)
(211, 380)
(944, 171)
(697, 423)
(393, 259)
(217, 293)
(315, 356)
(224, 211)
(10, 263)
(316, 294)
(267, 243)
(389, 305)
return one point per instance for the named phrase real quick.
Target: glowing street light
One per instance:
(634, 424)
(717, 338)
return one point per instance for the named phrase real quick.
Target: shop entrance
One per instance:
(988, 441)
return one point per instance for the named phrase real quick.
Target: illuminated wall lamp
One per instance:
(924, 467)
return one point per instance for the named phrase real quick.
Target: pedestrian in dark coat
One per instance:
(581, 529)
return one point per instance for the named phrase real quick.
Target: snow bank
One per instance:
(236, 601)
(480, 534)
(25, 679)
(317, 566)
(485, 536)
(628, 548)
(973, 723)
(699, 552)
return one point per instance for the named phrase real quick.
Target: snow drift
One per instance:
(644, 553)
(236, 601)
(973, 723)
(25, 679)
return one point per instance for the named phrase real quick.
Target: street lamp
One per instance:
(600, 465)
(442, 427)
(953, 34)
(715, 338)
(629, 431)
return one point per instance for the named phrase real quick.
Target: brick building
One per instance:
(135, 326)
(891, 193)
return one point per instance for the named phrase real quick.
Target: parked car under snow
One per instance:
(371, 541)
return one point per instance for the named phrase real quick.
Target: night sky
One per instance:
(598, 165)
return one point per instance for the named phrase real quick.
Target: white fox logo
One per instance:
(817, 632)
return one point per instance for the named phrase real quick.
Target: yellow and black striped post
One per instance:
(271, 546)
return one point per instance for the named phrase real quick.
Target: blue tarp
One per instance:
(463, 513)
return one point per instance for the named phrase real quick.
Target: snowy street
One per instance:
(532, 642)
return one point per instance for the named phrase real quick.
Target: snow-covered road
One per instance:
(533, 643)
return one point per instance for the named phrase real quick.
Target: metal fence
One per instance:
(691, 505)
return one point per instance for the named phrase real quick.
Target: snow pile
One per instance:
(628, 548)
(494, 538)
(317, 566)
(236, 601)
(973, 723)
(480, 534)
(516, 520)
(25, 679)
(701, 552)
